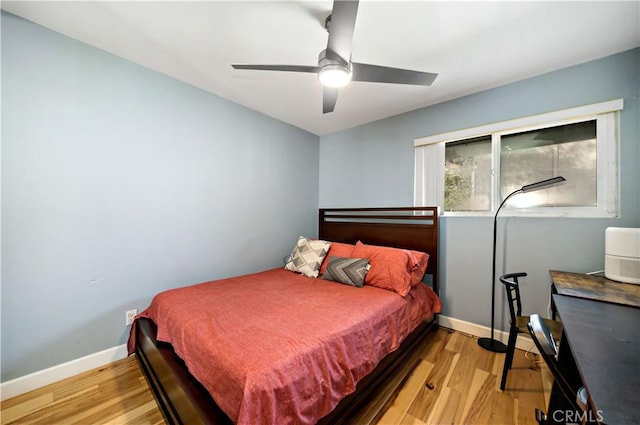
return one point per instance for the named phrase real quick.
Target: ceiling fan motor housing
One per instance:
(327, 57)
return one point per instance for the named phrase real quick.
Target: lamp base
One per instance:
(492, 345)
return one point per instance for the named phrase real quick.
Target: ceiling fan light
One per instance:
(334, 76)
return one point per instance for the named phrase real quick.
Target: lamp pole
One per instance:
(492, 344)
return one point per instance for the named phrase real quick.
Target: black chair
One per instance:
(518, 321)
(548, 349)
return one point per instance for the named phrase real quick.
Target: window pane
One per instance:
(566, 150)
(467, 178)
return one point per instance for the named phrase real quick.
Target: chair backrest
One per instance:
(543, 340)
(510, 282)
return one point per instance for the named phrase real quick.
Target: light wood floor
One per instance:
(458, 382)
(454, 382)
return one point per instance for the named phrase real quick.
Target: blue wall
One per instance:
(373, 165)
(119, 182)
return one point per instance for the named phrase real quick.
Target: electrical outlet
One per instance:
(130, 315)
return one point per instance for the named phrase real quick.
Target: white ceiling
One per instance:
(473, 46)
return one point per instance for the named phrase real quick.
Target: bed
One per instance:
(184, 399)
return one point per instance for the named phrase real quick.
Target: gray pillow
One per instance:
(350, 271)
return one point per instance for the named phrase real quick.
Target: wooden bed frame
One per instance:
(183, 400)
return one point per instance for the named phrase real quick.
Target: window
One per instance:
(481, 166)
(467, 175)
(567, 150)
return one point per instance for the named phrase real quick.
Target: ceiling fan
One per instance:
(335, 68)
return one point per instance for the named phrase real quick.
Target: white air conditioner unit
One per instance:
(622, 254)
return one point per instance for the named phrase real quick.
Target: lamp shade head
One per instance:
(542, 184)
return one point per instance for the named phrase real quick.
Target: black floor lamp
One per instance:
(490, 343)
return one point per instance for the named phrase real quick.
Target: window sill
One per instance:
(538, 213)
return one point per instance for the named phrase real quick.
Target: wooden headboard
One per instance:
(413, 228)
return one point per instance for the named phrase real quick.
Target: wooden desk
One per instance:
(604, 340)
(596, 288)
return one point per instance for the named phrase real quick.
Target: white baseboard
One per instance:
(53, 374)
(524, 342)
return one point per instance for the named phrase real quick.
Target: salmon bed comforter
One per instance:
(277, 347)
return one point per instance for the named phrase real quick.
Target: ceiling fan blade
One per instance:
(329, 99)
(289, 68)
(343, 21)
(384, 74)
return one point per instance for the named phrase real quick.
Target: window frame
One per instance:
(607, 119)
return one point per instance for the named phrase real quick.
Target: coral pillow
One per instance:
(337, 249)
(419, 261)
(392, 268)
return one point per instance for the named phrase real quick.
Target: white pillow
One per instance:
(307, 256)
